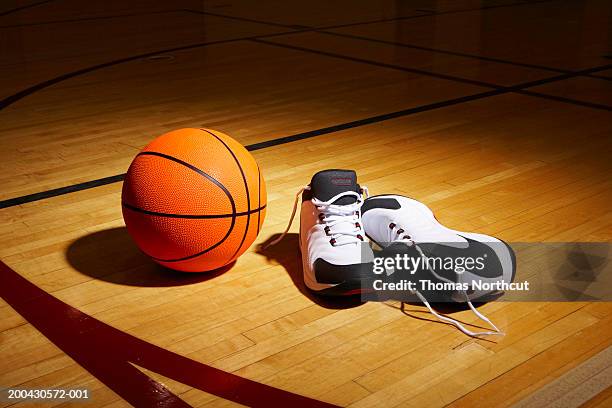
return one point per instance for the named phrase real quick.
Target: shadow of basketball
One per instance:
(287, 254)
(112, 256)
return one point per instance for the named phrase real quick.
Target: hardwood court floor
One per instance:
(496, 114)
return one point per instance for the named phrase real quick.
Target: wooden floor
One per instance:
(496, 114)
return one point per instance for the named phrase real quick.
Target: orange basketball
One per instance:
(194, 199)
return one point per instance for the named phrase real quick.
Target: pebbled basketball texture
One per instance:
(194, 200)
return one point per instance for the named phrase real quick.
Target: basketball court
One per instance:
(496, 114)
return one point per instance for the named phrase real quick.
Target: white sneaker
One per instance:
(389, 219)
(335, 253)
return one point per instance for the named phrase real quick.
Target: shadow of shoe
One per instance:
(112, 256)
(287, 254)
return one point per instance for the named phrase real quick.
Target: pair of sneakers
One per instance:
(338, 221)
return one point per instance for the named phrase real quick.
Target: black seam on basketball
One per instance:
(258, 198)
(216, 182)
(190, 216)
(246, 187)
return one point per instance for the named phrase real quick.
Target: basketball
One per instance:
(194, 200)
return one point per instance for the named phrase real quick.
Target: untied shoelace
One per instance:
(343, 222)
(410, 242)
(347, 223)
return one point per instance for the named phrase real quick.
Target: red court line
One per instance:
(107, 352)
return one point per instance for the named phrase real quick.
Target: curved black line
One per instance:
(556, 98)
(6, 102)
(78, 20)
(245, 19)
(192, 216)
(518, 88)
(437, 13)
(194, 168)
(454, 53)
(442, 51)
(319, 132)
(221, 186)
(246, 187)
(402, 68)
(27, 6)
(312, 133)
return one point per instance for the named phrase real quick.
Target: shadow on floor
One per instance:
(287, 254)
(112, 256)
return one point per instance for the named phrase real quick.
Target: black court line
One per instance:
(61, 191)
(417, 71)
(245, 19)
(112, 179)
(564, 99)
(600, 77)
(513, 88)
(446, 52)
(426, 13)
(313, 133)
(76, 20)
(559, 77)
(256, 146)
(370, 120)
(437, 13)
(301, 29)
(6, 102)
(27, 6)
(93, 18)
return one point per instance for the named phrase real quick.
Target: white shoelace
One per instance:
(347, 227)
(343, 221)
(401, 237)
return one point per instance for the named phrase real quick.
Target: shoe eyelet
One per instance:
(392, 225)
(360, 237)
(400, 231)
(326, 229)
(321, 217)
(332, 242)
(406, 237)
(358, 225)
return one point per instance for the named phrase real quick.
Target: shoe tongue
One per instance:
(328, 183)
